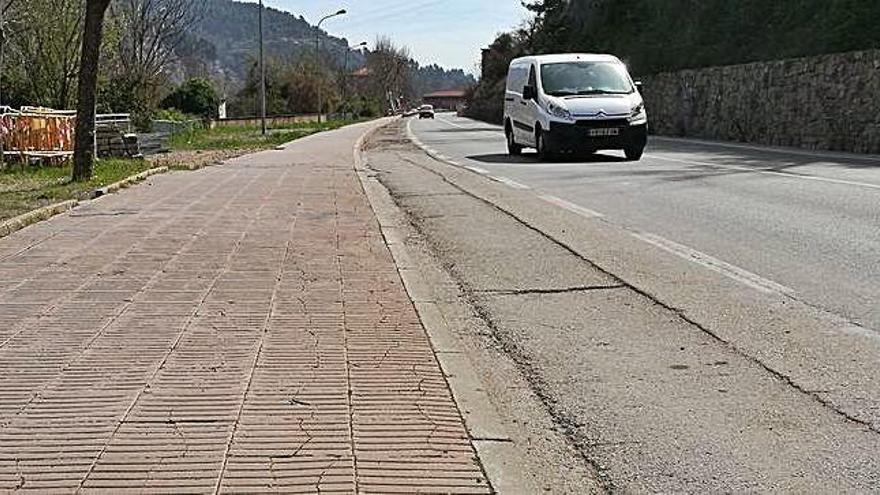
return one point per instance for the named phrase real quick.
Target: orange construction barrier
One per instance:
(36, 132)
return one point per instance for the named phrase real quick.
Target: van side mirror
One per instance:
(639, 86)
(530, 93)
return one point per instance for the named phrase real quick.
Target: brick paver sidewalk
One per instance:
(237, 329)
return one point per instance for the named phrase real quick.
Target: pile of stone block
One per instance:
(112, 142)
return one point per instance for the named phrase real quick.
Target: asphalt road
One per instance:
(703, 320)
(797, 222)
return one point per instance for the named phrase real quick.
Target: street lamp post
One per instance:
(262, 77)
(2, 44)
(345, 77)
(3, 7)
(2, 47)
(317, 58)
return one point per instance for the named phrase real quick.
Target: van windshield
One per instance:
(585, 78)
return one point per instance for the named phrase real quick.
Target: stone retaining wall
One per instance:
(830, 102)
(270, 121)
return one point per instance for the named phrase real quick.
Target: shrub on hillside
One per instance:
(195, 97)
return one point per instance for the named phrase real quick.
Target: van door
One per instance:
(513, 94)
(526, 115)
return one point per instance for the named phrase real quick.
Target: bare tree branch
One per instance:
(151, 32)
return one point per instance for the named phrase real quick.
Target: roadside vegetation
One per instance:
(153, 59)
(660, 36)
(247, 138)
(26, 188)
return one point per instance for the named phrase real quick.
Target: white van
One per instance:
(573, 102)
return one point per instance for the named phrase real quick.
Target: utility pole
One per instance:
(2, 47)
(3, 7)
(345, 78)
(318, 57)
(262, 76)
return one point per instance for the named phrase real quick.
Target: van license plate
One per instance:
(608, 131)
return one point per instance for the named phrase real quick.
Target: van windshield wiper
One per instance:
(600, 92)
(562, 93)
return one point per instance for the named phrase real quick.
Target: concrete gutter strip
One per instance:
(97, 193)
(34, 216)
(498, 455)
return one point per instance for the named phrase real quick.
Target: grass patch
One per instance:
(247, 137)
(26, 189)
(23, 190)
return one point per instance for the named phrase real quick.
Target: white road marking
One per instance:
(733, 272)
(567, 205)
(482, 125)
(509, 182)
(478, 170)
(412, 136)
(782, 151)
(452, 123)
(788, 175)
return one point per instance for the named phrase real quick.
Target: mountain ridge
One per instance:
(223, 44)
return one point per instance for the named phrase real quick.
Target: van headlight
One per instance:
(559, 112)
(638, 115)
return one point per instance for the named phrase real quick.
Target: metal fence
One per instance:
(118, 121)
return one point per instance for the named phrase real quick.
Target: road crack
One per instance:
(653, 299)
(563, 290)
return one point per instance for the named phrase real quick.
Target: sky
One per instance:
(449, 33)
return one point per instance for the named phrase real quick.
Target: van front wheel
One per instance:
(512, 148)
(541, 145)
(634, 153)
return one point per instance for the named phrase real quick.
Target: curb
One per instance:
(97, 193)
(488, 434)
(361, 141)
(34, 216)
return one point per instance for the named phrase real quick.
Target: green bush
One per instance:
(121, 96)
(173, 115)
(195, 97)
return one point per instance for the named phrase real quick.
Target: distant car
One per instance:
(426, 112)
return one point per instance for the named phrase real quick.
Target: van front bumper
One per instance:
(576, 137)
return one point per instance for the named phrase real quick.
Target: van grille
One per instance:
(599, 124)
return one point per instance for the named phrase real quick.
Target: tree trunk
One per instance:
(84, 146)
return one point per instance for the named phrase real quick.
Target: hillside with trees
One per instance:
(226, 34)
(151, 48)
(654, 36)
(226, 38)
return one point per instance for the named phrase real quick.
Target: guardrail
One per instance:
(120, 121)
